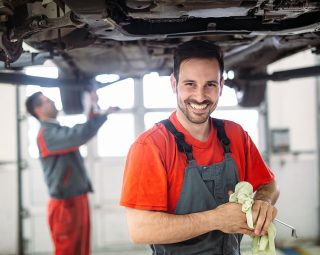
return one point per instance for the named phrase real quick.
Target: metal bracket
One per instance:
(283, 75)
(42, 23)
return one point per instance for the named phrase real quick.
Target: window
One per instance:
(247, 118)
(151, 118)
(228, 97)
(116, 135)
(33, 129)
(157, 92)
(117, 94)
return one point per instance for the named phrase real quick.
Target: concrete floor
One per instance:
(295, 248)
(126, 250)
(307, 249)
(145, 250)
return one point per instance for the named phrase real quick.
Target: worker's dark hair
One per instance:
(196, 49)
(32, 102)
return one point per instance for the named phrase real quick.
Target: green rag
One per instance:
(244, 195)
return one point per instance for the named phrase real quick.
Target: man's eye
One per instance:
(212, 84)
(189, 83)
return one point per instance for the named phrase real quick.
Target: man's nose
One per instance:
(199, 94)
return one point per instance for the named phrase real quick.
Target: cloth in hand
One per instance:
(260, 244)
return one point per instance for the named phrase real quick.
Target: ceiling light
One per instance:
(42, 71)
(230, 75)
(107, 78)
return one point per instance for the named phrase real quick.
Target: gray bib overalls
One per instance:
(204, 188)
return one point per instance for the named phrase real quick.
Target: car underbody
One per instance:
(134, 37)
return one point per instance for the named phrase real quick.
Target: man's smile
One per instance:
(198, 106)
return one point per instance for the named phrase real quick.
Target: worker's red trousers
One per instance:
(69, 222)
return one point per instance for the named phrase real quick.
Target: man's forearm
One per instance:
(268, 192)
(162, 228)
(151, 227)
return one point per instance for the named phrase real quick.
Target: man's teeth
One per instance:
(198, 106)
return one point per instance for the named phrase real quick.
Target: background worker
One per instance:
(179, 174)
(65, 173)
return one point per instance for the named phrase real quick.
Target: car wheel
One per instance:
(10, 51)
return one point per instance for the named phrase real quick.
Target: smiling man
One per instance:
(179, 174)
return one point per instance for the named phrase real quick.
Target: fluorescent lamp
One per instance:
(42, 71)
(230, 75)
(107, 78)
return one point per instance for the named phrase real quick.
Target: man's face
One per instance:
(198, 89)
(47, 108)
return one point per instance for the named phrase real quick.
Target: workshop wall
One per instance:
(8, 171)
(292, 106)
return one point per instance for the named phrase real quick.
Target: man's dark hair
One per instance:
(32, 102)
(196, 49)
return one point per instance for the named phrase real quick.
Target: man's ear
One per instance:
(221, 86)
(37, 111)
(173, 83)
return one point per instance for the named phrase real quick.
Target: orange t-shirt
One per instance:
(155, 168)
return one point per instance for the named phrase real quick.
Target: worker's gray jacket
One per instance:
(63, 166)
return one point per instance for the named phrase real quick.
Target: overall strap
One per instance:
(222, 135)
(179, 137)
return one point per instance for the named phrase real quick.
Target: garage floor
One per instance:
(144, 250)
(300, 249)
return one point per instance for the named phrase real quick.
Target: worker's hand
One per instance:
(94, 97)
(112, 109)
(232, 220)
(263, 214)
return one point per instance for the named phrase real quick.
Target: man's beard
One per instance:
(194, 118)
(53, 114)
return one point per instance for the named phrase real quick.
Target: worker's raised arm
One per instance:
(58, 138)
(152, 227)
(61, 137)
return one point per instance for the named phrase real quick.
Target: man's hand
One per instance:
(232, 219)
(263, 214)
(263, 211)
(94, 97)
(94, 107)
